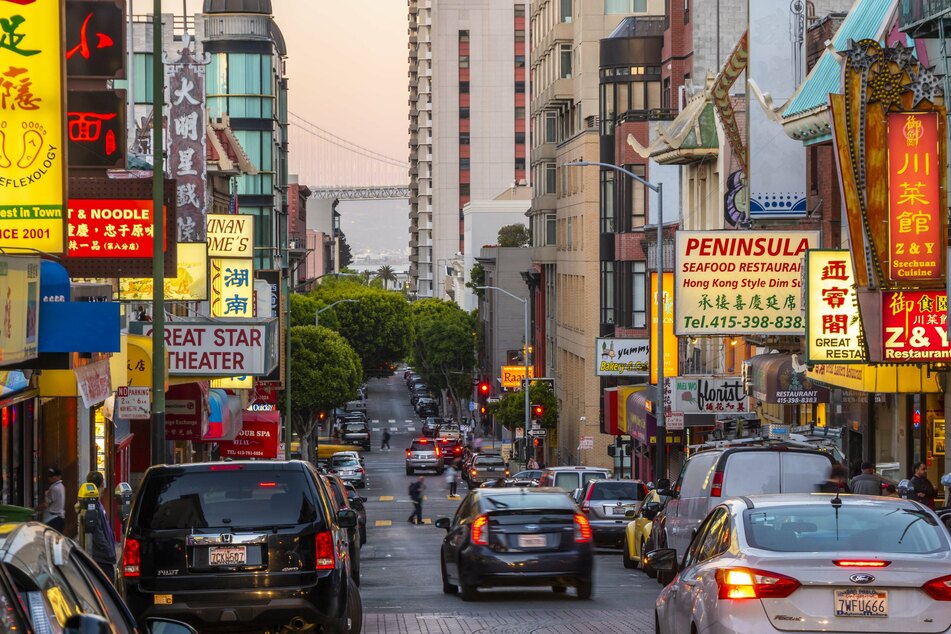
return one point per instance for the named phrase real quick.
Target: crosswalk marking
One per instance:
(427, 520)
(376, 429)
(392, 420)
(386, 498)
(394, 428)
(384, 522)
(408, 420)
(375, 420)
(411, 428)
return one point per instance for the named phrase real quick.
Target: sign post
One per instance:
(157, 431)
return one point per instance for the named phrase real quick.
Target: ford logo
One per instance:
(861, 578)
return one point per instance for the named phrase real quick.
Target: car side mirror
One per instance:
(87, 624)
(347, 518)
(442, 522)
(662, 560)
(630, 514)
(168, 626)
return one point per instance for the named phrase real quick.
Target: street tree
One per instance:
(509, 411)
(387, 275)
(443, 351)
(325, 373)
(516, 235)
(303, 308)
(476, 280)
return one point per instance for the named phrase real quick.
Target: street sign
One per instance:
(133, 403)
(587, 442)
(492, 399)
(520, 432)
(674, 421)
(538, 433)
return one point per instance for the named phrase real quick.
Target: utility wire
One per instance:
(341, 142)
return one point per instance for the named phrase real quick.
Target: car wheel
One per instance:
(447, 588)
(559, 589)
(363, 535)
(468, 591)
(584, 589)
(362, 484)
(628, 561)
(409, 471)
(354, 610)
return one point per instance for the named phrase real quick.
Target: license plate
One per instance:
(861, 602)
(227, 555)
(532, 541)
(619, 510)
(163, 599)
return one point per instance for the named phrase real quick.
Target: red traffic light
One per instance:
(538, 410)
(535, 442)
(484, 388)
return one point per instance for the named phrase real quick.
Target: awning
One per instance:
(224, 421)
(139, 362)
(877, 379)
(637, 405)
(782, 379)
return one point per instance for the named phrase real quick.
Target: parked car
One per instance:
(424, 454)
(355, 432)
(203, 539)
(571, 478)
(34, 585)
(357, 405)
(427, 407)
(709, 476)
(338, 490)
(607, 503)
(430, 425)
(416, 395)
(813, 563)
(355, 454)
(516, 537)
(637, 534)
(528, 474)
(484, 467)
(358, 504)
(348, 469)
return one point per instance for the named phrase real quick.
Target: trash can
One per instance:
(11, 513)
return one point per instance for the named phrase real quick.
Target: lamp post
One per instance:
(528, 405)
(320, 310)
(659, 412)
(157, 439)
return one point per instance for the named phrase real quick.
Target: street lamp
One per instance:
(659, 413)
(528, 406)
(320, 310)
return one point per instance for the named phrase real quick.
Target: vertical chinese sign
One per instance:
(32, 172)
(185, 100)
(834, 331)
(232, 287)
(671, 347)
(915, 241)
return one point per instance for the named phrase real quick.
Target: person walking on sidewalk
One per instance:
(452, 478)
(867, 482)
(416, 495)
(54, 506)
(385, 444)
(103, 540)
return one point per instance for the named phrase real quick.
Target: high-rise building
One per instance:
(468, 84)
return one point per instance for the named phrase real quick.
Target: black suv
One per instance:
(355, 432)
(203, 541)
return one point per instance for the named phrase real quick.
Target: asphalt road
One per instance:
(401, 587)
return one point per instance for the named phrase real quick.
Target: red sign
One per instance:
(915, 243)
(915, 326)
(258, 437)
(110, 228)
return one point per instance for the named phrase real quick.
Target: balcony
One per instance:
(919, 18)
(560, 90)
(543, 152)
(561, 32)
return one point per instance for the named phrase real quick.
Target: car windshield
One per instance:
(523, 501)
(819, 527)
(345, 461)
(235, 498)
(489, 461)
(617, 491)
(355, 426)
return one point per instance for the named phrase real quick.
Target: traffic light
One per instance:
(482, 410)
(484, 388)
(538, 410)
(322, 416)
(535, 442)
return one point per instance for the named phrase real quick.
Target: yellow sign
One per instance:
(31, 127)
(833, 326)
(232, 288)
(19, 308)
(514, 375)
(230, 236)
(876, 379)
(671, 350)
(189, 284)
(233, 383)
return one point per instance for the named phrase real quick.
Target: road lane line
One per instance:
(386, 498)
(384, 522)
(394, 428)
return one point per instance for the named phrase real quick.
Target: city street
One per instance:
(400, 562)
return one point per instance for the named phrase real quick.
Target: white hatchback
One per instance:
(810, 563)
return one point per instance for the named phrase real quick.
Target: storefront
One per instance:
(22, 481)
(636, 408)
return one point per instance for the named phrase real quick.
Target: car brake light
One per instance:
(582, 529)
(474, 472)
(748, 583)
(267, 485)
(131, 558)
(506, 473)
(423, 441)
(480, 531)
(325, 550)
(717, 487)
(225, 467)
(457, 450)
(861, 563)
(438, 452)
(408, 453)
(939, 589)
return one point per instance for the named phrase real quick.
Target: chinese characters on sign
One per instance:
(232, 288)
(95, 39)
(915, 326)
(230, 236)
(671, 351)
(189, 284)
(622, 357)
(184, 100)
(915, 199)
(110, 228)
(95, 123)
(31, 135)
(740, 282)
(705, 395)
(833, 325)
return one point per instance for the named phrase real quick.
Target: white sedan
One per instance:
(810, 563)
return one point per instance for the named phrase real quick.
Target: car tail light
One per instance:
(474, 472)
(267, 485)
(861, 563)
(408, 453)
(586, 502)
(717, 487)
(325, 551)
(748, 583)
(225, 467)
(438, 452)
(131, 558)
(582, 529)
(480, 531)
(507, 473)
(361, 470)
(939, 589)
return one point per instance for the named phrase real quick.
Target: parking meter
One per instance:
(124, 495)
(88, 513)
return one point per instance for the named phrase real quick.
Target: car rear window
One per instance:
(522, 501)
(233, 498)
(355, 426)
(617, 491)
(420, 445)
(567, 480)
(489, 460)
(751, 472)
(882, 528)
(801, 471)
(588, 476)
(346, 461)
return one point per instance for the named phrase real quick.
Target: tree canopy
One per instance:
(510, 410)
(325, 373)
(515, 235)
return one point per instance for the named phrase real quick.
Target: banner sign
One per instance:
(258, 437)
(514, 375)
(20, 301)
(705, 395)
(915, 242)
(230, 236)
(94, 382)
(740, 282)
(232, 292)
(189, 284)
(111, 228)
(31, 110)
(133, 403)
(623, 357)
(214, 349)
(834, 331)
(671, 347)
(915, 326)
